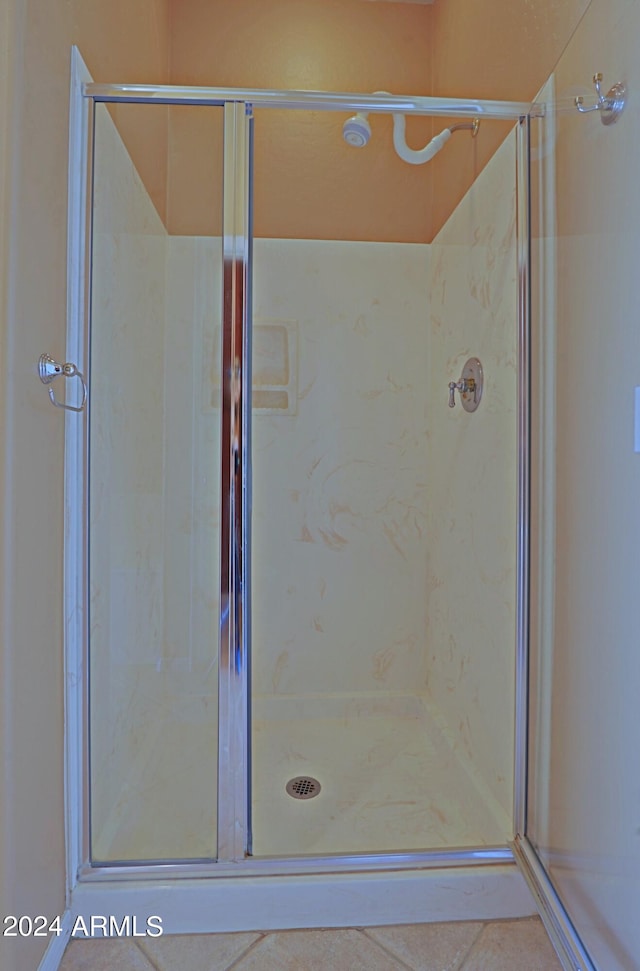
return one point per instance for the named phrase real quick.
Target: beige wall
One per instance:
(504, 50)
(34, 314)
(309, 183)
(8, 32)
(138, 53)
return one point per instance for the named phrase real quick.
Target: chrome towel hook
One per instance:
(610, 105)
(50, 369)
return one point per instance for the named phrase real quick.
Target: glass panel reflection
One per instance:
(153, 484)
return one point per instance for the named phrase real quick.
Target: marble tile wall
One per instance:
(191, 471)
(341, 489)
(471, 525)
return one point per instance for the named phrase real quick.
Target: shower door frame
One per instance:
(233, 861)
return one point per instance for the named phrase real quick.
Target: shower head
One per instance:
(356, 130)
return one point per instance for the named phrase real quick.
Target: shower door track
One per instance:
(312, 101)
(301, 865)
(423, 872)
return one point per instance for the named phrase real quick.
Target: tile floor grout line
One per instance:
(463, 960)
(504, 921)
(139, 945)
(400, 961)
(252, 947)
(474, 947)
(148, 957)
(459, 964)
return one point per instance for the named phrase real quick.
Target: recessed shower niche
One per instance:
(274, 384)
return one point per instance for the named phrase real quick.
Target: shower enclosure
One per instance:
(296, 577)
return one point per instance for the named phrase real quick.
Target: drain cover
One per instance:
(303, 787)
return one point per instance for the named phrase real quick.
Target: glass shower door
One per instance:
(584, 796)
(154, 482)
(384, 521)
(380, 576)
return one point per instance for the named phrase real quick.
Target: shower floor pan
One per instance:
(390, 780)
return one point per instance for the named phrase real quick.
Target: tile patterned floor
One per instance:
(465, 946)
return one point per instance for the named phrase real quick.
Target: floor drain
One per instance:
(303, 787)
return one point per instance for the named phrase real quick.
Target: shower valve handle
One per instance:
(469, 386)
(464, 386)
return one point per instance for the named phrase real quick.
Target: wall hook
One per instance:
(50, 369)
(610, 105)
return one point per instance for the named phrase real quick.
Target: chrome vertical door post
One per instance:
(76, 476)
(523, 472)
(233, 676)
